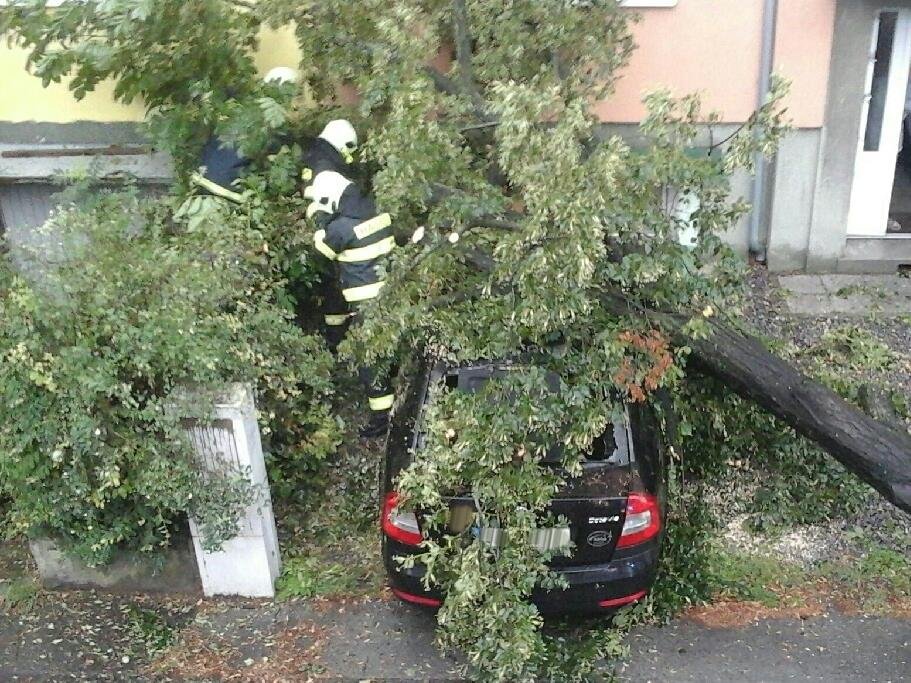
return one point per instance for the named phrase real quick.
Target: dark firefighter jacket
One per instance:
(358, 244)
(321, 156)
(220, 167)
(356, 204)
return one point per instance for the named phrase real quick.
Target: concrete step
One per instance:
(886, 254)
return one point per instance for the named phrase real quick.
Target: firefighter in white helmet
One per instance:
(332, 151)
(357, 239)
(281, 75)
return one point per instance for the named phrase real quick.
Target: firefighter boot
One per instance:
(377, 427)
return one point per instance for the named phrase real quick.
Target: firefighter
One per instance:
(354, 236)
(214, 183)
(332, 150)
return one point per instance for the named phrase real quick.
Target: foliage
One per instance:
(847, 356)
(685, 568)
(534, 262)
(313, 576)
(97, 358)
(19, 594)
(874, 580)
(538, 256)
(786, 479)
(330, 541)
(545, 235)
(880, 575)
(150, 629)
(741, 576)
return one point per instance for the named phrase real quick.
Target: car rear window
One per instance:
(612, 447)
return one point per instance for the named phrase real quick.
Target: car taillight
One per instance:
(398, 525)
(643, 520)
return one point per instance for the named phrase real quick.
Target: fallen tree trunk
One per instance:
(876, 452)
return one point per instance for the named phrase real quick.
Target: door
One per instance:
(881, 123)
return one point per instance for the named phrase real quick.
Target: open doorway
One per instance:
(881, 193)
(899, 222)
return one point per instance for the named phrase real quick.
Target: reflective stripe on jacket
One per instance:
(220, 166)
(359, 247)
(216, 190)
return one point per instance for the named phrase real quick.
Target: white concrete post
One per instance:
(683, 205)
(248, 564)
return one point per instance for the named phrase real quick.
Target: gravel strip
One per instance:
(880, 522)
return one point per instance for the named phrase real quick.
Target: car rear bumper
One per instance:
(598, 588)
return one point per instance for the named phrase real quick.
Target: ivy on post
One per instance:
(228, 444)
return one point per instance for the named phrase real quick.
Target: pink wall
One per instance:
(803, 50)
(713, 46)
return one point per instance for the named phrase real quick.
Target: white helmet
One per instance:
(281, 75)
(327, 190)
(341, 135)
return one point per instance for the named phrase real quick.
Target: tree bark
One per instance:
(876, 452)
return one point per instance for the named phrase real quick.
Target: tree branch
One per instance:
(462, 35)
(505, 220)
(441, 81)
(878, 453)
(479, 126)
(242, 3)
(560, 69)
(495, 222)
(447, 86)
(451, 299)
(480, 260)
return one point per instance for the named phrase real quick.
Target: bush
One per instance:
(93, 353)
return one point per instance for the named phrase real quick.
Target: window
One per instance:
(879, 82)
(612, 447)
(649, 3)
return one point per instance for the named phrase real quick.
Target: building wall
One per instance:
(710, 46)
(28, 101)
(793, 188)
(713, 46)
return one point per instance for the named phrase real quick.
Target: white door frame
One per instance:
(874, 170)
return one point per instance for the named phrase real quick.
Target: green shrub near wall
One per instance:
(93, 353)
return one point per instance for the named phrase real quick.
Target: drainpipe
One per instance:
(766, 65)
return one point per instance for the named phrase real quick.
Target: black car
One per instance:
(615, 509)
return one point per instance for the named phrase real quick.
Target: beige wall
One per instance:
(710, 46)
(23, 99)
(713, 46)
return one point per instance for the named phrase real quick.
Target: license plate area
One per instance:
(545, 539)
(548, 539)
(589, 535)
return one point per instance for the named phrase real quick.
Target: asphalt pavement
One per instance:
(84, 636)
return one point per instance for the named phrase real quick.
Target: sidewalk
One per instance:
(83, 636)
(853, 295)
